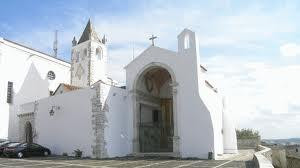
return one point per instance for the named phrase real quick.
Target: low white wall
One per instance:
(213, 103)
(262, 158)
(116, 131)
(70, 127)
(73, 124)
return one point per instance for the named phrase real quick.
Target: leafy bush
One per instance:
(65, 154)
(78, 153)
(247, 133)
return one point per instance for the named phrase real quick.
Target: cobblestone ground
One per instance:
(59, 162)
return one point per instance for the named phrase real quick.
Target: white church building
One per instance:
(166, 108)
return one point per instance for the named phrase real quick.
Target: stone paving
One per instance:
(59, 162)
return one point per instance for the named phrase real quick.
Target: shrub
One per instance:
(65, 154)
(247, 133)
(78, 153)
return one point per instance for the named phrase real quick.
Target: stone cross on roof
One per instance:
(152, 38)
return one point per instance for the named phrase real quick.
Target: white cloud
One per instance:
(290, 50)
(260, 95)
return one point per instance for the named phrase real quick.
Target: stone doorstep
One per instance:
(156, 154)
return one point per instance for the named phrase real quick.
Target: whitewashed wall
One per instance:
(199, 123)
(27, 93)
(70, 127)
(116, 132)
(98, 62)
(213, 103)
(15, 63)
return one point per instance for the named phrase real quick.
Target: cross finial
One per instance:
(152, 38)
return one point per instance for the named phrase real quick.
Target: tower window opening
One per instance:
(85, 53)
(99, 53)
(186, 41)
(77, 57)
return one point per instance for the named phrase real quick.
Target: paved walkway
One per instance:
(243, 160)
(52, 162)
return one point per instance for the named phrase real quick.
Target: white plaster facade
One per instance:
(104, 120)
(23, 66)
(197, 107)
(72, 126)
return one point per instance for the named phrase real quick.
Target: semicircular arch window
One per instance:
(51, 75)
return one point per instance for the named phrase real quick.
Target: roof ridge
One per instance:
(41, 52)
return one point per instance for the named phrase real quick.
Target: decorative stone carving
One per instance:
(173, 84)
(79, 72)
(149, 84)
(174, 91)
(142, 96)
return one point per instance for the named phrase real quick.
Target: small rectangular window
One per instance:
(155, 116)
(9, 92)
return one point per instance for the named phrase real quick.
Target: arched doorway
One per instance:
(28, 132)
(154, 110)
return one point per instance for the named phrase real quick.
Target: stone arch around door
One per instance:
(28, 132)
(136, 98)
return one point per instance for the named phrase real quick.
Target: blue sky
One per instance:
(251, 48)
(19, 19)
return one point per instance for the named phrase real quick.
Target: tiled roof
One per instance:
(70, 87)
(67, 88)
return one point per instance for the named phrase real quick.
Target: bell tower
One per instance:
(188, 44)
(89, 58)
